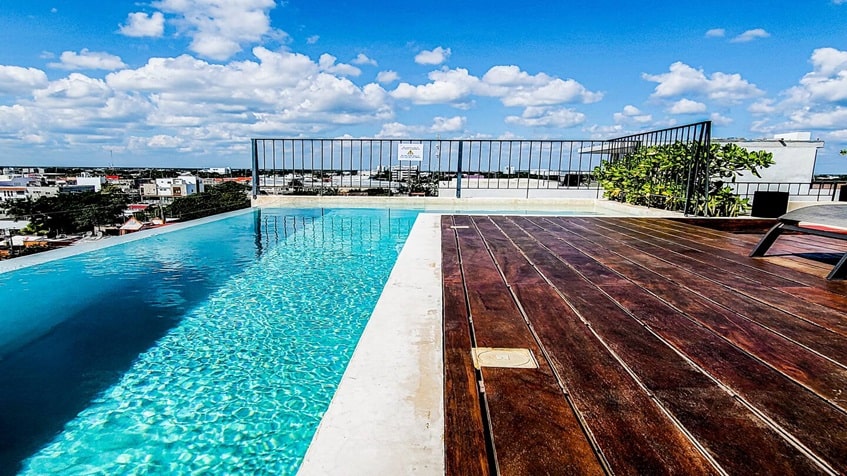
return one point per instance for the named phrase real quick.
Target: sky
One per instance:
(188, 83)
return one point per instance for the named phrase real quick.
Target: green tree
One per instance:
(225, 197)
(70, 213)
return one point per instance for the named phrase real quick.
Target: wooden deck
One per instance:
(662, 349)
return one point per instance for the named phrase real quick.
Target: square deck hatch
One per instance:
(503, 357)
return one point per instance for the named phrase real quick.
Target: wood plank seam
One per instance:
(819, 461)
(753, 296)
(565, 392)
(461, 449)
(741, 316)
(700, 448)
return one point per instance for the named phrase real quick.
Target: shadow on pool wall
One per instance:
(105, 313)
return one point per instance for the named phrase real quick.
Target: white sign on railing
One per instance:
(410, 152)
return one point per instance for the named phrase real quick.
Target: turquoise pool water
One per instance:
(214, 348)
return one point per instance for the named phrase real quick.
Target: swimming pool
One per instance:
(216, 347)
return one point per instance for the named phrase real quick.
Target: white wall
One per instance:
(96, 181)
(794, 160)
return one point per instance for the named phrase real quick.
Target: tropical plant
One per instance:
(679, 175)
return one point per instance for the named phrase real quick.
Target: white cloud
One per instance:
(508, 83)
(631, 110)
(763, 106)
(818, 101)
(88, 60)
(163, 141)
(435, 56)
(386, 77)
(687, 106)
(720, 120)
(446, 86)
(17, 80)
(327, 63)
(448, 124)
(683, 79)
(140, 24)
(834, 118)
(218, 29)
(519, 88)
(439, 125)
(312, 39)
(631, 114)
(396, 129)
(829, 61)
(188, 104)
(547, 117)
(750, 35)
(716, 33)
(362, 58)
(513, 76)
(827, 82)
(838, 135)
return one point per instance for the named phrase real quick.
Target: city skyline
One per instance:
(187, 83)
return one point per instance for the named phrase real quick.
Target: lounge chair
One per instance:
(828, 220)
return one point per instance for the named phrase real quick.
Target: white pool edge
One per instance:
(387, 415)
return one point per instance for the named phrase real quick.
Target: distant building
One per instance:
(399, 172)
(35, 193)
(165, 190)
(18, 187)
(794, 156)
(97, 182)
(12, 193)
(217, 170)
(71, 189)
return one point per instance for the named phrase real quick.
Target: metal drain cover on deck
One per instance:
(505, 358)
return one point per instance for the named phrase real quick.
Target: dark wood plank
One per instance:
(736, 248)
(817, 423)
(635, 433)
(821, 297)
(619, 412)
(808, 368)
(690, 396)
(541, 435)
(465, 449)
(755, 301)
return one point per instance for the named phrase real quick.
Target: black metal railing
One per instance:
(680, 186)
(377, 166)
(811, 191)
(512, 168)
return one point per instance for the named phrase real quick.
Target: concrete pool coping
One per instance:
(480, 205)
(386, 416)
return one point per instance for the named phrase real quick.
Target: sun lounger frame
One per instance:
(840, 269)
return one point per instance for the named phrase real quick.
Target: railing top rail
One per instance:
(660, 131)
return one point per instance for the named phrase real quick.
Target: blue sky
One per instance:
(187, 83)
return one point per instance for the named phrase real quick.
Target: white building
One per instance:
(19, 187)
(97, 182)
(167, 189)
(218, 170)
(794, 156)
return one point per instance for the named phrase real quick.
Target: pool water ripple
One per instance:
(240, 385)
